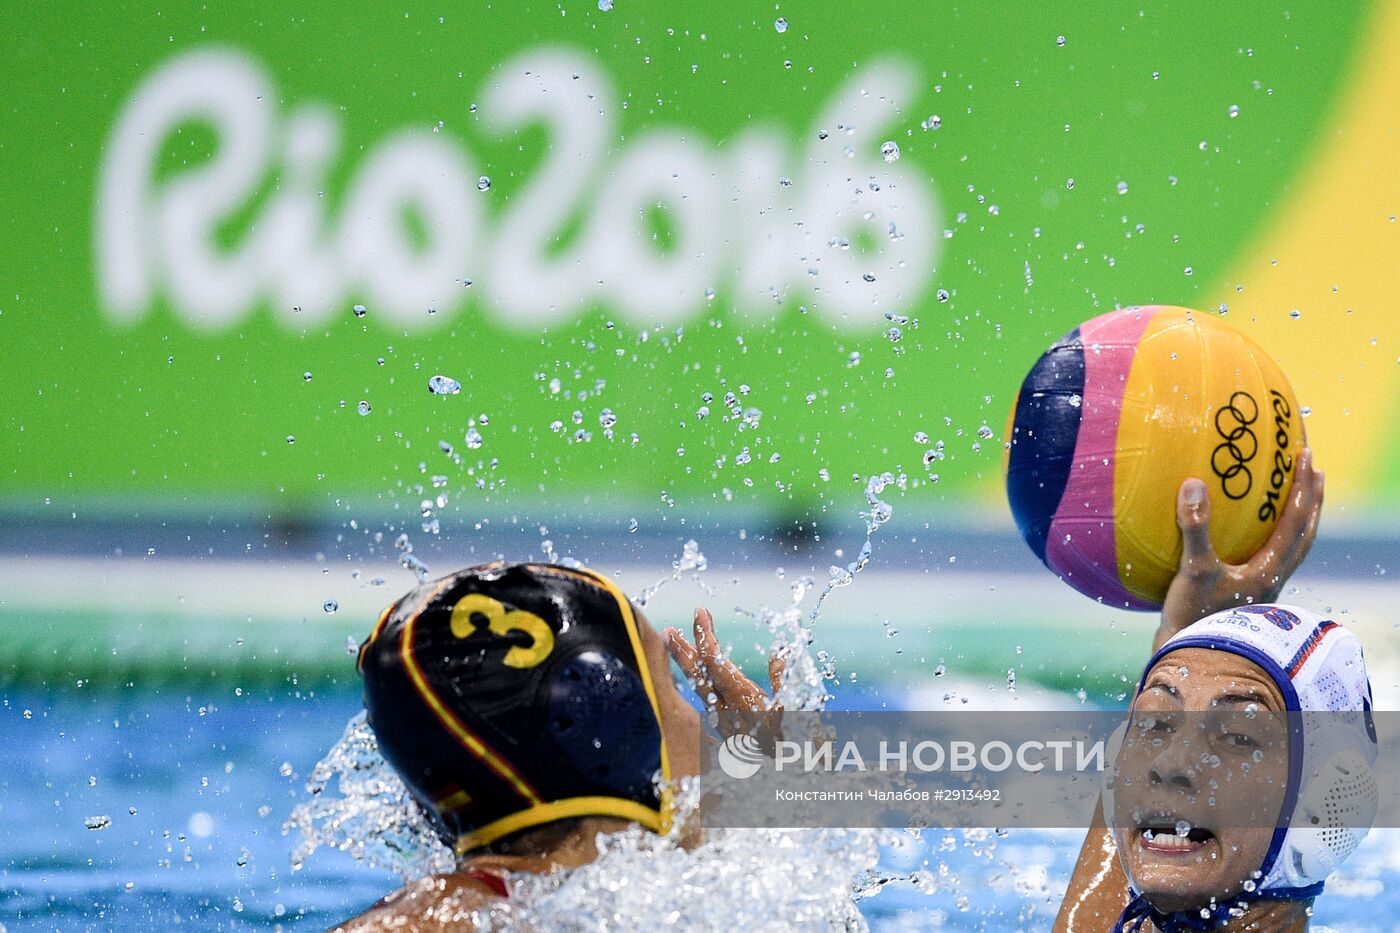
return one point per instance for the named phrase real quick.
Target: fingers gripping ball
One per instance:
(1115, 416)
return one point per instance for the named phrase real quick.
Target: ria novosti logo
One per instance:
(740, 757)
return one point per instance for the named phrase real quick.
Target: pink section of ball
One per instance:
(1080, 546)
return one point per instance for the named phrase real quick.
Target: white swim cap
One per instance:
(1321, 672)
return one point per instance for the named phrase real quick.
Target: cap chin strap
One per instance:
(1135, 916)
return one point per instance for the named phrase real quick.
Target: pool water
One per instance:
(186, 791)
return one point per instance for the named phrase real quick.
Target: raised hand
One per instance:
(1205, 584)
(740, 705)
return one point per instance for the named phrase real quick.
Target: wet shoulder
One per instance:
(455, 901)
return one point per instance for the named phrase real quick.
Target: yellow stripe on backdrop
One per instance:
(1333, 255)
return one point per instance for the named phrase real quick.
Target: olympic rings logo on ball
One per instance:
(1230, 458)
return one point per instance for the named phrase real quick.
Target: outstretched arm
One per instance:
(1098, 889)
(1203, 584)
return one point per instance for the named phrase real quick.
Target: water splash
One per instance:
(765, 880)
(444, 385)
(808, 672)
(551, 556)
(408, 561)
(805, 675)
(359, 805)
(878, 514)
(773, 879)
(691, 560)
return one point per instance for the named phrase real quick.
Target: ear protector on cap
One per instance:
(602, 722)
(1335, 809)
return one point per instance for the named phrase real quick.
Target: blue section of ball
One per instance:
(1043, 434)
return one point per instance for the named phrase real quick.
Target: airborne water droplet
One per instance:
(330, 606)
(444, 385)
(890, 151)
(781, 25)
(364, 407)
(483, 183)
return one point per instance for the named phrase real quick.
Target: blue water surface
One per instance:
(196, 784)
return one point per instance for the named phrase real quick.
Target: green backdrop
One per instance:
(683, 199)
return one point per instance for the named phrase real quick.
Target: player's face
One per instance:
(1201, 779)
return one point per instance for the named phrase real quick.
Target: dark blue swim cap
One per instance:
(508, 696)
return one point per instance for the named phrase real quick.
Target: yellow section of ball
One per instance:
(1201, 399)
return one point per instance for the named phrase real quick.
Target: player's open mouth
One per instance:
(1167, 836)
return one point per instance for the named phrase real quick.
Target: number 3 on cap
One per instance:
(503, 622)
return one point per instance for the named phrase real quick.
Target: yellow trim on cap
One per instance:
(465, 736)
(378, 629)
(554, 810)
(373, 634)
(453, 801)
